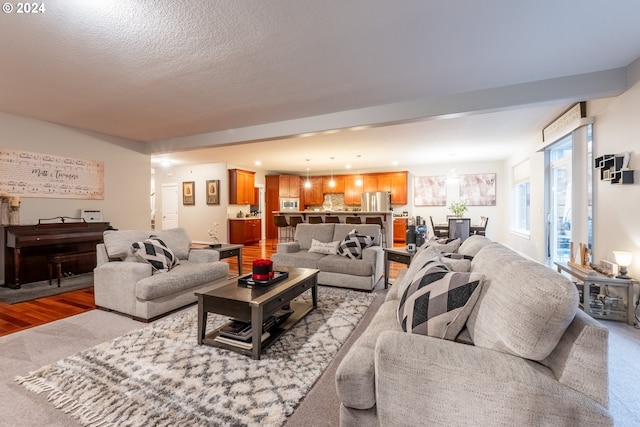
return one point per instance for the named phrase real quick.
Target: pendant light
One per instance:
(307, 183)
(332, 183)
(358, 177)
(452, 176)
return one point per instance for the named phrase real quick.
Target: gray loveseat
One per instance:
(335, 270)
(126, 284)
(527, 357)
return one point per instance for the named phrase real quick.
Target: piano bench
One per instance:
(58, 259)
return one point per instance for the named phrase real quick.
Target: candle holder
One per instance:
(4, 209)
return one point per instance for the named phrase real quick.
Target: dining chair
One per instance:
(439, 230)
(331, 219)
(483, 226)
(459, 228)
(353, 220)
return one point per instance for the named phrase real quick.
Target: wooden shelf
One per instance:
(610, 166)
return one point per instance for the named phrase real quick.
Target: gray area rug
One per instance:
(159, 376)
(35, 290)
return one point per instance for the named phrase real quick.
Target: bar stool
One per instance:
(378, 220)
(315, 220)
(283, 229)
(294, 221)
(353, 220)
(331, 220)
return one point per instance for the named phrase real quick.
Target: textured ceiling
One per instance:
(229, 71)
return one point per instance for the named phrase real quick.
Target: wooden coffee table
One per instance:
(256, 304)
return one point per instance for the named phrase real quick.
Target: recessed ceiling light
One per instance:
(394, 163)
(347, 166)
(258, 162)
(304, 135)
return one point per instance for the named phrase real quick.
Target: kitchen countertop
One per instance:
(354, 213)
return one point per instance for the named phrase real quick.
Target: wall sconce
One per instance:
(623, 259)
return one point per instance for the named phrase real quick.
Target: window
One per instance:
(520, 198)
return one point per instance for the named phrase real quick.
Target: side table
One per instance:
(398, 254)
(592, 279)
(226, 250)
(231, 250)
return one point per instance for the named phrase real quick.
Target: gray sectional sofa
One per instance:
(126, 284)
(335, 270)
(527, 357)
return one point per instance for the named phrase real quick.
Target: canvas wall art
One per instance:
(430, 191)
(478, 189)
(30, 174)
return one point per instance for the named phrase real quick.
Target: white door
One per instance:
(169, 206)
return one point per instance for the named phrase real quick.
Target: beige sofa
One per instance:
(335, 270)
(126, 284)
(527, 357)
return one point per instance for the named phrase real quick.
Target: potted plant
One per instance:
(458, 208)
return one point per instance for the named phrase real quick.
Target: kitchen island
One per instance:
(385, 216)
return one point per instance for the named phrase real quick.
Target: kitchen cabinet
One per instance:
(289, 186)
(241, 187)
(313, 195)
(352, 191)
(370, 182)
(399, 230)
(244, 231)
(338, 188)
(393, 182)
(399, 188)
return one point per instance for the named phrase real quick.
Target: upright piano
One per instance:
(27, 248)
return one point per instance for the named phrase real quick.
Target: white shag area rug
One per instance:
(160, 376)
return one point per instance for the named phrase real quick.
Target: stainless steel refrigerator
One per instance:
(376, 201)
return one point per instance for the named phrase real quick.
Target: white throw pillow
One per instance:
(330, 248)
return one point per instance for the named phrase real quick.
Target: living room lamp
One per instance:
(623, 259)
(307, 183)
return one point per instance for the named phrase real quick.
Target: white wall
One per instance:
(126, 180)
(617, 207)
(496, 214)
(197, 219)
(616, 129)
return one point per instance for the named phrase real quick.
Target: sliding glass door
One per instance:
(569, 194)
(559, 217)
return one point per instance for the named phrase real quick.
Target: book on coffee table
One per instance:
(238, 343)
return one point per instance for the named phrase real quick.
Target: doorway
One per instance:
(169, 206)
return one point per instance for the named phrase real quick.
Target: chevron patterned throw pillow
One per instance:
(438, 302)
(155, 252)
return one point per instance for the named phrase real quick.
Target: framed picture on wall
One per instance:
(478, 189)
(213, 192)
(188, 193)
(430, 191)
